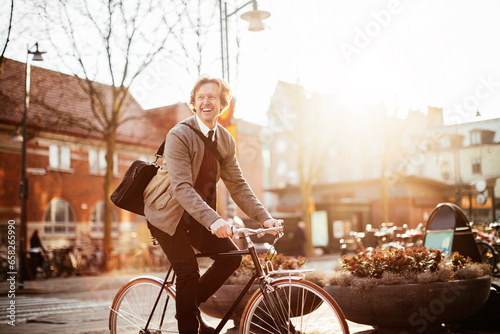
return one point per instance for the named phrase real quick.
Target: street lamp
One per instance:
(23, 186)
(254, 17)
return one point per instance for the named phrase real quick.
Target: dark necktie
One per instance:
(210, 135)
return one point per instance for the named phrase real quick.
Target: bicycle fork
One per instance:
(278, 308)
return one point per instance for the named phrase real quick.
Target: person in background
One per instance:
(300, 238)
(36, 249)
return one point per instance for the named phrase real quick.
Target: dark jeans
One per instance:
(191, 289)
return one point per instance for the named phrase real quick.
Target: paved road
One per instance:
(62, 305)
(77, 305)
(80, 305)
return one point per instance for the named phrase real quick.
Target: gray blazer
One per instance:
(172, 190)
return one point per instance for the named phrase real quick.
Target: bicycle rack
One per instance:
(448, 230)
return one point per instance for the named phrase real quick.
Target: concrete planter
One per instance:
(222, 300)
(217, 305)
(412, 308)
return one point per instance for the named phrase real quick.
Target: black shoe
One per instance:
(205, 327)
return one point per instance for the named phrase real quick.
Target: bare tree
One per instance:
(310, 129)
(111, 42)
(197, 32)
(8, 32)
(403, 139)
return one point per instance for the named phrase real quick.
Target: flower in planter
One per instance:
(400, 266)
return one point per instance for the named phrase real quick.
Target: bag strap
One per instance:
(210, 144)
(160, 152)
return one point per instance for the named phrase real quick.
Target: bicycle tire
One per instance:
(487, 254)
(302, 307)
(133, 304)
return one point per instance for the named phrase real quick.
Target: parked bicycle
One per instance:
(40, 263)
(488, 244)
(284, 303)
(62, 262)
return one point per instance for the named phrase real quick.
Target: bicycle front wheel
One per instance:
(133, 305)
(294, 306)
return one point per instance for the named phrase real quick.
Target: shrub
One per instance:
(413, 259)
(404, 266)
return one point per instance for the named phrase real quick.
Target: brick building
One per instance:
(65, 162)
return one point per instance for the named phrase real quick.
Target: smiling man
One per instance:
(184, 215)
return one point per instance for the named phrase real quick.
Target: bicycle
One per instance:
(488, 245)
(285, 302)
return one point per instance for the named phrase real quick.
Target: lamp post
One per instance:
(23, 186)
(254, 17)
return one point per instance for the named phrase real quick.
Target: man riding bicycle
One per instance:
(180, 202)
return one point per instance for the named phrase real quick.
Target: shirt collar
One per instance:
(204, 129)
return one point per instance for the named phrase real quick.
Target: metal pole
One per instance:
(23, 186)
(227, 43)
(493, 208)
(222, 40)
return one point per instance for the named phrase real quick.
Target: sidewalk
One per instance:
(109, 282)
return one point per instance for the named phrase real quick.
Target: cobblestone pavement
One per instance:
(80, 305)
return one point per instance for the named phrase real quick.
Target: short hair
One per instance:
(225, 93)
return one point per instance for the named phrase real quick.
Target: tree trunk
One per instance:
(108, 189)
(306, 218)
(305, 193)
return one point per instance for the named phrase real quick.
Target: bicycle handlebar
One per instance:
(241, 232)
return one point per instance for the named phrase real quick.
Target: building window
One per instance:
(97, 221)
(475, 138)
(281, 168)
(445, 170)
(356, 173)
(97, 162)
(376, 171)
(59, 218)
(445, 142)
(59, 157)
(333, 153)
(280, 146)
(333, 175)
(476, 166)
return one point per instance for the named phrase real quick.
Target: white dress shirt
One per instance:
(205, 129)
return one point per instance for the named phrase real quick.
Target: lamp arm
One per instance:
(240, 8)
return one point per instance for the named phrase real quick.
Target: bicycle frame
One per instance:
(258, 274)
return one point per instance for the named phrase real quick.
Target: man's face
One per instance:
(207, 103)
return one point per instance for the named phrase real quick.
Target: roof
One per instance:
(59, 103)
(367, 182)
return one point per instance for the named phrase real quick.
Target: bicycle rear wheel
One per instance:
(134, 303)
(300, 307)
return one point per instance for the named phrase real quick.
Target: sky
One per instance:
(406, 54)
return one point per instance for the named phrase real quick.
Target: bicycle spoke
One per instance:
(298, 306)
(133, 306)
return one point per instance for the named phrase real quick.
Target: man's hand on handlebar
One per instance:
(221, 228)
(271, 222)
